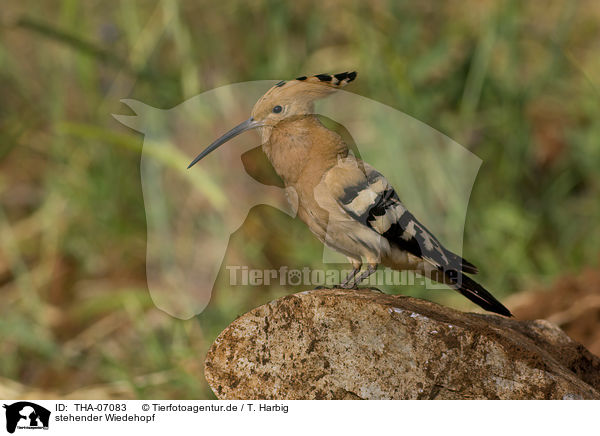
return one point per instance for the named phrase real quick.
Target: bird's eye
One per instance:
(277, 109)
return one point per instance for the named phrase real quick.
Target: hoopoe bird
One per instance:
(345, 202)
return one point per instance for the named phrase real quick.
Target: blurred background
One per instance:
(514, 82)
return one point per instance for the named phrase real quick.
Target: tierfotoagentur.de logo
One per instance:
(25, 415)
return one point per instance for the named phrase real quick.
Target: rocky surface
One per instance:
(344, 344)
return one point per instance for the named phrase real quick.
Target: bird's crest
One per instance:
(304, 89)
(319, 85)
(333, 80)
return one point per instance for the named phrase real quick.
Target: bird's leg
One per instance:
(365, 274)
(346, 283)
(356, 265)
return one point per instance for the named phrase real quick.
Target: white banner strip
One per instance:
(162, 417)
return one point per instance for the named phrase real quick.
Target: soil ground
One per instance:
(572, 302)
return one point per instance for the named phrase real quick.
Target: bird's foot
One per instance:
(365, 274)
(350, 283)
(356, 287)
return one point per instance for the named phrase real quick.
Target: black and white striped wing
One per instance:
(365, 195)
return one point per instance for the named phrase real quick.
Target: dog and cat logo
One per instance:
(26, 415)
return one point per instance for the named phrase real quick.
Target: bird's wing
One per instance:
(365, 195)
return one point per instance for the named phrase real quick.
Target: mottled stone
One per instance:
(345, 344)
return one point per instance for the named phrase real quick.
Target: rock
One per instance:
(345, 344)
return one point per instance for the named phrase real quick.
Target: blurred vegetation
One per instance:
(515, 82)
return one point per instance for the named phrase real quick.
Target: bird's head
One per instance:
(284, 100)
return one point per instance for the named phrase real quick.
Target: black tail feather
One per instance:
(461, 263)
(476, 293)
(468, 267)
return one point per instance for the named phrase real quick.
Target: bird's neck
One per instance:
(296, 147)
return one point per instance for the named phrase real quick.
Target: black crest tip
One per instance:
(341, 76)
(323, 77)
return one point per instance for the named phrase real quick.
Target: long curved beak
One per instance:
(240, 128)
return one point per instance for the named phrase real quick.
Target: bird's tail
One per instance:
(468, 267)
(476, 293)
(461, 264)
